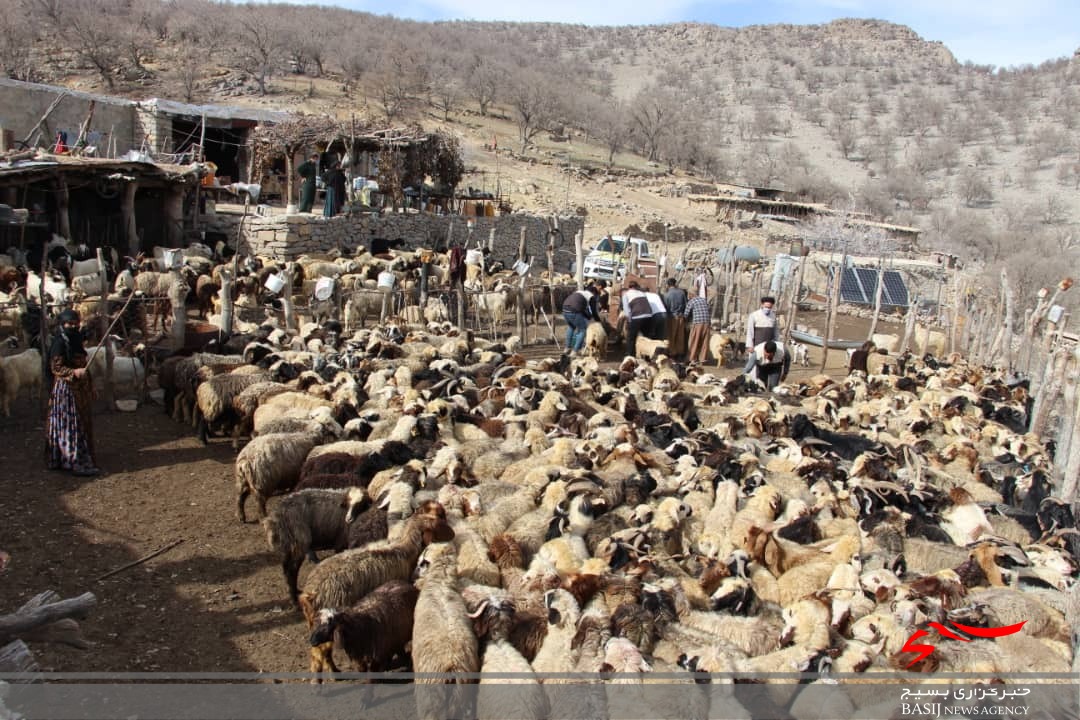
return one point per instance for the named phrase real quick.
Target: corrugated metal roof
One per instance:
(56, 90)
(217, 112)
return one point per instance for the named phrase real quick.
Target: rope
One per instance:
(104, 338)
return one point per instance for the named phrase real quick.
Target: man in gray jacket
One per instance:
(761, 326)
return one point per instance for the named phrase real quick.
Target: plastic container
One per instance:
(171, 259)
(474, 257)
(324, 289)
(386, 280)
(275, 284)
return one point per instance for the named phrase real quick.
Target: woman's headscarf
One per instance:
(68, 343)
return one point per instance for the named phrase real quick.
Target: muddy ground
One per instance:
(215, 602)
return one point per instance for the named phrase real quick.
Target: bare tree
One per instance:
(613, 127)
(259, 44)
(973, 188)
(189, 69)
(651, 113)
(400, 79)
(90, 26)
(483, 81)
(16, 42)
(533, 99)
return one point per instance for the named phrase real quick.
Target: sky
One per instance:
(988, 32)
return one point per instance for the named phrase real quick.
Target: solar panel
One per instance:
(859, 286)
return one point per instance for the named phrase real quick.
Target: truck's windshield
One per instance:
(608, 245)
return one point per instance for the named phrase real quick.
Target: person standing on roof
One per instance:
(761, 325)
(637, 312)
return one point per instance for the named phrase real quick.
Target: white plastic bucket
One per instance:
(275, 284)
(324, 289)
(386, 280)
(474, 257)
(171, 259)
(521, 267)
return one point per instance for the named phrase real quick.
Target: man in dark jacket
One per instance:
(675, 300)
(335, 190)
(579, 309)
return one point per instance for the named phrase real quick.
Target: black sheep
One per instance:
(846, 445)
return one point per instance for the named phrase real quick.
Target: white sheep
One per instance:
(270, 464)
(443, 638)
(18, 372)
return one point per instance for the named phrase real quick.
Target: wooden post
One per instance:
(519, 314)
(1072, 437)
(291, 200)
(62, 204)
(491, 240)
(579, 259)
(287, 296)
(103, 328)
(1049, 391)
(909, 324)
(127, 211)
(877, 297)
(1066, 412)
(227, 308)
(722, 309)
(794, 304)
(834, 300)
(177, 300)
(425, 274)
(1009, 298)
(549, 252)
(174, 216)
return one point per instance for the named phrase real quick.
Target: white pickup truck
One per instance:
(608, 259)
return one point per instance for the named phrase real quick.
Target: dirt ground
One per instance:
(215, 602)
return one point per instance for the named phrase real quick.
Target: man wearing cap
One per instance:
(637, 311)
(770, 363)
(762, 325)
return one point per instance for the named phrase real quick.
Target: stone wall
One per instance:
(289, 236)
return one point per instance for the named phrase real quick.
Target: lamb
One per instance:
(800, 354)
(556, 654)
(345, 578)
(494, 621)
(270, 465)
(128, 372)
(307, 521)
(807, 627)
(443, 640)
(19, 371)
(596, 340)
(215, 402)
(372, 633)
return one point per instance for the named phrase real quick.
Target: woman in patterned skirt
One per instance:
(69, 433)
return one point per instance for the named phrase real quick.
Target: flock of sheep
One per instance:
(485, 513)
